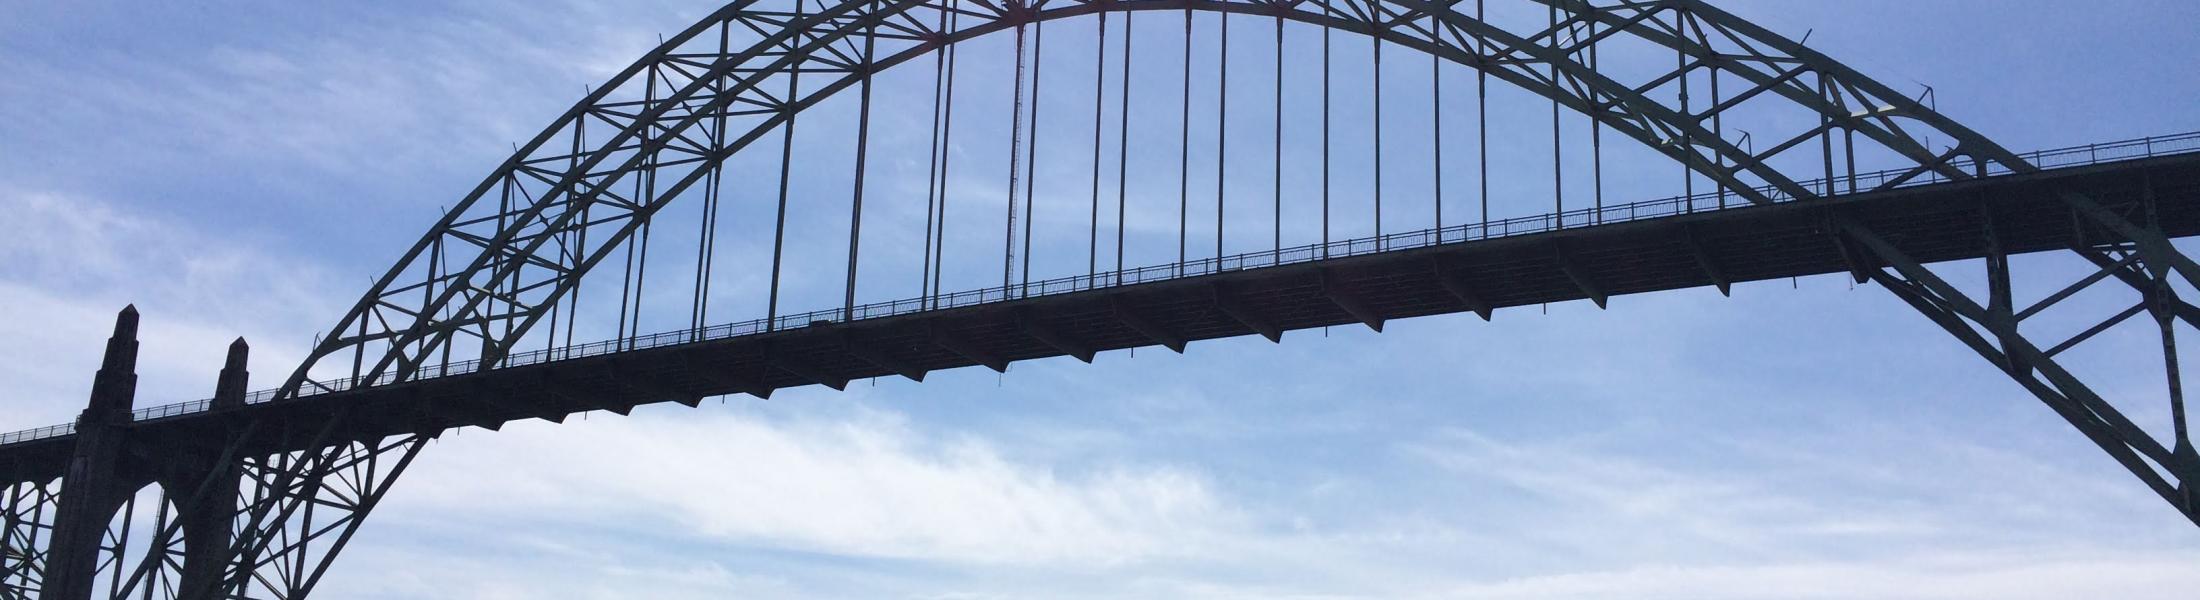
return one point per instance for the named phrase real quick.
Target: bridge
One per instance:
(475, 326)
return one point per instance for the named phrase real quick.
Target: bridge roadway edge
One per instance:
(1933, 223)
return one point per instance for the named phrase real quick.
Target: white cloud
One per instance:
(386, 97)
(865, 484)
(835, 502)
(71, 262)
(2115, 575)
(1690, 508)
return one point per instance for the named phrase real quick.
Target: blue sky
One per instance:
(243, 168)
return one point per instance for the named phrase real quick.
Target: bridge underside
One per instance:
(1935, 223)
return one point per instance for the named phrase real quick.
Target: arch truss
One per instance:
(504, 266)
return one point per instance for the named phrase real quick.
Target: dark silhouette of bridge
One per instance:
(475, 325)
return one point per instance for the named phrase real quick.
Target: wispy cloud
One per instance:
(72, 261)
(2116, 575)
(863, 484)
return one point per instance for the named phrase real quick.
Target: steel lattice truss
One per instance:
(128, 569)
(25, 529)
(508, 259)
(294, 512)
(301, 508)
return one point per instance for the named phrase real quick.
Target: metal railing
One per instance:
(2077, 156)
(37, 434)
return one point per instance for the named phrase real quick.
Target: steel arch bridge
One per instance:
(258, 492)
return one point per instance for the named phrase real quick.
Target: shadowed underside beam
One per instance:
(1719, 248)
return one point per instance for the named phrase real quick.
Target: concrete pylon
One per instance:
(95, 485)
(206, 519)
(229, 390)
(108, 467)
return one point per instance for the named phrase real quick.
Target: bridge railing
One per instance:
(2076, 156)
(37, 434)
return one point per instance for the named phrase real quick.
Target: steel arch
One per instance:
(515, 279)
(528, 233)
(505, 230)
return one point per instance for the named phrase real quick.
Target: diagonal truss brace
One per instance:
(302, 509)
(2133, 257)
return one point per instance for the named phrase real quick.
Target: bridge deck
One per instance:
(1934, 223)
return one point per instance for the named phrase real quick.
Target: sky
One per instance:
(244, 169)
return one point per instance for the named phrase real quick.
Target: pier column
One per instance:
(95, 485)
(207, 521)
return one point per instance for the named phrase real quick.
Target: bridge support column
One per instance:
(207, 515)
(108, 468)
(96, 483)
